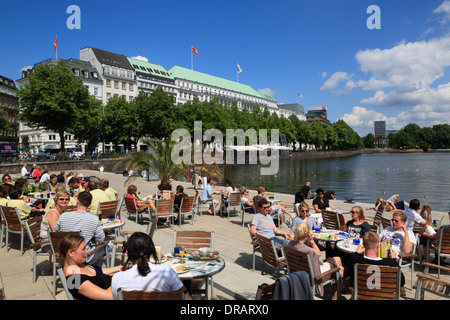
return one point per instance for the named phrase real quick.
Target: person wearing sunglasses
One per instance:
(304, 216)
(262, 223)
(49, 220)
(398, 233)
(357, 226)
(320, 202)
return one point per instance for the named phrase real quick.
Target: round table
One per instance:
(351, 246)
(203, 268)
(112, 225)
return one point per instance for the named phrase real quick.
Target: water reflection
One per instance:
(425, 176)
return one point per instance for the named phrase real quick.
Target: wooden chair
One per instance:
(33, 227)
(331, 220)
(107, 208)
(2, 227)
(428, 283)
(265, 291)
(164, 209)
(193, 240)
(408, 259)
(269, 255)
(255, 244)
(152, 295)
(376, 221)
(443, 247)
(71, 208)
(234, 202)
(186, 208)
(133, 209)
(373, 282)
(13, 225)
(385, 222)
(299, 261)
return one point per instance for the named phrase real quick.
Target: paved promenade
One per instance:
(236, 282)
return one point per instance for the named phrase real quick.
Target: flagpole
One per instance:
(56, 48)
(192, 59)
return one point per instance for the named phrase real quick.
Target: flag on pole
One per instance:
(239, 70)
(299, 95)
(55, 44)
(194, 50)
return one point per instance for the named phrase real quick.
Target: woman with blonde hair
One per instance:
(303, 215)
(304, 242)
(49, 220)
(358, 225)
(92, 282)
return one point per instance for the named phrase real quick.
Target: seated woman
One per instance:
(358, 226)
(246, 200)
(51, 217)
(304, 216)
(94, 283)
(320, 202)
(144, 275)
(4, 193)
(142, 204)
(226, 195)
(302, 233)
(51, 203)
(179, 195)
(51, 186)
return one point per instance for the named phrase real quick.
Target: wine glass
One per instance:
(182, 252)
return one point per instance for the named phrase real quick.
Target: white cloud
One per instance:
(141, 58)
(270, 91)
(443, 9)
(334, 80)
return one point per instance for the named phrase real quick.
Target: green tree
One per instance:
(369, 141)
(56, 100)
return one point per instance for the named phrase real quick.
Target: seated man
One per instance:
(427, 232)
(368, 254)
(98, 196)
(110, 192)
(398, 233)
(262, 223)
(207, 197)
(25, 211)
(276, 207)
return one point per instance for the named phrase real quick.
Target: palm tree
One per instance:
(158, 160)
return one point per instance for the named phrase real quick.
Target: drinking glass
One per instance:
(182, 252)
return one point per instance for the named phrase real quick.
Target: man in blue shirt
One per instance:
(207, 197)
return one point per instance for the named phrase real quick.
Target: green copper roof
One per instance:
(149, 68)
(203, 78)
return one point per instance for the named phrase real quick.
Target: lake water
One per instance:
(363, 178)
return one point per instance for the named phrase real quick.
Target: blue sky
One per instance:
(321, 49)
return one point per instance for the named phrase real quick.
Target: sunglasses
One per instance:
(353, 211)
(266, 207)
(304, 210)
(395, 220)
(63, 199)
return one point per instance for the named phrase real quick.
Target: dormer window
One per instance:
(76, 72)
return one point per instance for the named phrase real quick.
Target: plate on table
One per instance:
(180, 268)
(213, 255)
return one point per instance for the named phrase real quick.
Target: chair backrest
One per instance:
(33, 227)
(298, 261)
(151, 295)
(130, 204)
(107, 208)
(268, 251)
(187, 204)
(71, 208)
(12, 218)
(255, 205)
(374, 282)
(428, 283)
(164, 207)
(56, 238)
(378, 214)
(331, 220)
(151, 225)
(265, 291)
(253, 238)
(385, 222)
(63, 279)
(444, 241)
(194, 239)
(234, 199)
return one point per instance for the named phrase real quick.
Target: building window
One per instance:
(124, 85)
(116, 84)
(108, 83)
(131, 86)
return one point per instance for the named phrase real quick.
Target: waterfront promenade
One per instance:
(236, 282)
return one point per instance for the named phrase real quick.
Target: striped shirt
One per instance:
(87, 223)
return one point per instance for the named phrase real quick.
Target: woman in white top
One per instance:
(51, 217)
(143, 275)
(226, 195)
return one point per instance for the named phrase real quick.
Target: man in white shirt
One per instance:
(401, 241)
(24, 171)
(412, 217)
(45, 176)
